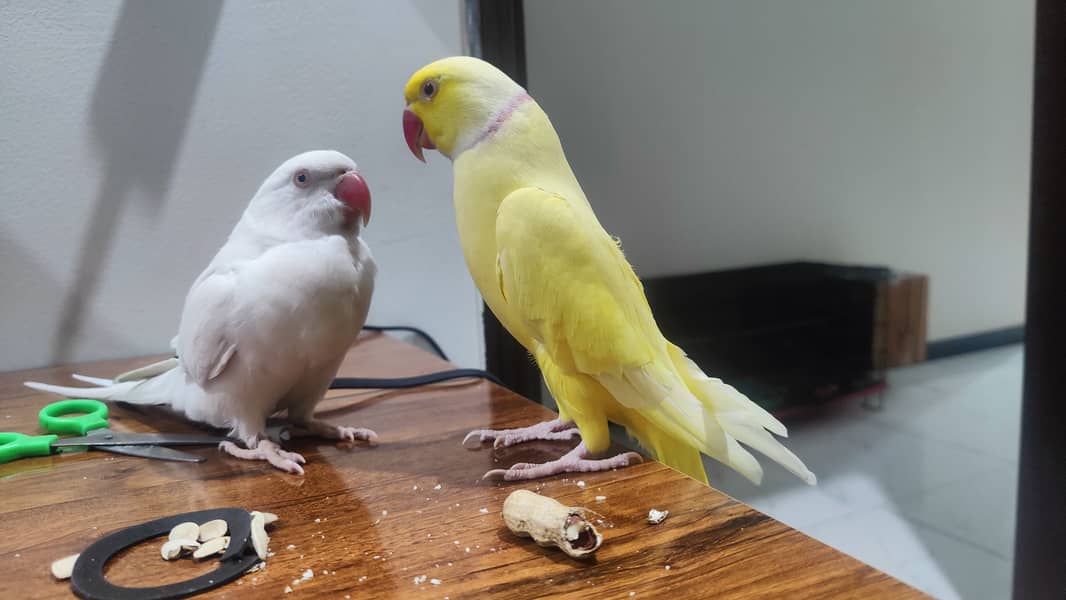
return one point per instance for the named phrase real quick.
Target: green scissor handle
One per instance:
(95, 417)
(16, 445)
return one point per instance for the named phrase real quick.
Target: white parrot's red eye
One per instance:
(301, 179)
(429, 89)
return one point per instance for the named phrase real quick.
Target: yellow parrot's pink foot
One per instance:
(269, 451)
(575, 461)
(502, 438)
(322, 429)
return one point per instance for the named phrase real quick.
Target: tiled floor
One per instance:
(924, 488)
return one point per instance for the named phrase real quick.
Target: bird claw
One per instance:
(322, 429)
(572, 462)
(351, 434)
(268, 451)
(474, 439)
(504, 438)
(495, 475)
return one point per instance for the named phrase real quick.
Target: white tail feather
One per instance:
(742, 419)
(157, 390)
(709, 415)
(761, 440)
(147, 371)
(111, 392)
(100, 381)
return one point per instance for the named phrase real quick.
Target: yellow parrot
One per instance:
(561, 286)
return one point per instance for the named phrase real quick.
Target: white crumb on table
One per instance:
(656, 516)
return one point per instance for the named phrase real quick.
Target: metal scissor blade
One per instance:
(155, 452)
(109, 438)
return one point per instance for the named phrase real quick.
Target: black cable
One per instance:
(358, 383)
(349, 383)
(425, 336)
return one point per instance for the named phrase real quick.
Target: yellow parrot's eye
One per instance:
(429, 89)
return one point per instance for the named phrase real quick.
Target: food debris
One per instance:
(420, 579)
(656, 516)
(435, 581)
(581, 484)
(62, 568)
(260, 539)
(210, 530)
(483, 511)
(318, 520)
(290, 547)
(210, 547)
(185, 531)
(437, 487)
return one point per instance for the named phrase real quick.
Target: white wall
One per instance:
(134, 133)
(728, 133)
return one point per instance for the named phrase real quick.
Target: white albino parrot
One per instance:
(267, 323)
(560, 284)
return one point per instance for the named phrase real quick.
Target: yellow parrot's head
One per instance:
(450, 102)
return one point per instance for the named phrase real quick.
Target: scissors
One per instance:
(94, 419)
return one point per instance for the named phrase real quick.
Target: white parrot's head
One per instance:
(321, 189)
(452, 101)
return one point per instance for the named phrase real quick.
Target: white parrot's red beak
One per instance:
(415, 134)
(355, 194)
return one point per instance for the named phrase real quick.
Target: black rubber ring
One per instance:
(88, 580)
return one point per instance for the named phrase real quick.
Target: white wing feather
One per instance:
(206, 340)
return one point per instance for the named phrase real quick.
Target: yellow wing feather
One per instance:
(551, 260)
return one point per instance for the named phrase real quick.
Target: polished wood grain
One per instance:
(369, 520)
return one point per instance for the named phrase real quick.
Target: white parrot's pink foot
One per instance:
(502, 438)
(269, 451)
(326, 430)
(575, 461)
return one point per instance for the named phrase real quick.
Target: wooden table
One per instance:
(369, 520)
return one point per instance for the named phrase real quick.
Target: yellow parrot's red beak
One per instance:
(415, 134)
